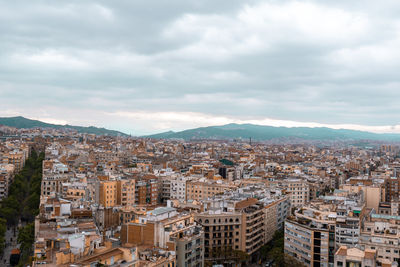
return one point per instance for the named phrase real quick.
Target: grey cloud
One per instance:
(102, 56)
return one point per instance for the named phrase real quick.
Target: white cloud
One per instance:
(263, 26)
(51, 59)
(155, 122)
(52, 121)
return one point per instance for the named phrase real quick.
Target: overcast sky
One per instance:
(149, 66)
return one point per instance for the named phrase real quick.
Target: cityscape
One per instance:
(102, 200)
(199, 133)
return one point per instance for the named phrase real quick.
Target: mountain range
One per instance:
(224, 132)
(262, 133)
(21, 122)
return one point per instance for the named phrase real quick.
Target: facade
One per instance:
(147, 191)
(178, 188)
(392, 188)
(203, 189)
(298, 188)
(55, 174)
(126, 192)
(6, 178)
(355, 257)
(108, 193)
(316, 230)
(382, 234)
(189, 247)
(165, 228)
(239, 222)
(117, 193)
(312, 245)
(276, 211)
(223, 233)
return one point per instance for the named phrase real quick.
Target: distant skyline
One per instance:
(145, 67)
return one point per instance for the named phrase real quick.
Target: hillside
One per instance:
(21, 122)
(260, 133)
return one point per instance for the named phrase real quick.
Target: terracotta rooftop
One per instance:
(245, 203)
(101, 256)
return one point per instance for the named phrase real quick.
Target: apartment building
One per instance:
(232, 224)
(178, 188)
(276, 211)
(6, 178)
(165, 228)
(126, 192)
(189, 247)
(223, 233)
(17, 158)
(316, 230)
(165, 189)
(298, 188)
(147, 191)
(203, 188)
(392, 188)
(254, 218)
(116, 193)
(55, 174)
(310, 242)
(382, 233)
(107, 193)
(345, 256)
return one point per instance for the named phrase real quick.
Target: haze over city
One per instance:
(149, 66)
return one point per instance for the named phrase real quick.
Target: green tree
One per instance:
(23, 203)
(10, 215)
(26, 238)
(3, 229)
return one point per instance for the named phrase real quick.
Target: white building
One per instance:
(178, 188)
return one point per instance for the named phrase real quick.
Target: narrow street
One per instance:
(11, 243)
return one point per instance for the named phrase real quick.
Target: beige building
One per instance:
(6, 178)
(382, 233)
(373, 194)
(355, 257)
(309, 244)
(238, 227)
(169, 230)
(203, 189)
(276, 211)
(298, 188)
(117, 193)
(17, 157)
(317, 229)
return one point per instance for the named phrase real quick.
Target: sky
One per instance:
(150, 66)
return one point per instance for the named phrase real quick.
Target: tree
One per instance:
(23, 203)
(3, 229)
(274, 250)
(10, 215)
(26, 236)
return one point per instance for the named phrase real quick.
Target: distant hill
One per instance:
(262, 133)
(21, 122)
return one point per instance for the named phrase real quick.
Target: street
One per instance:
(10, 245)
